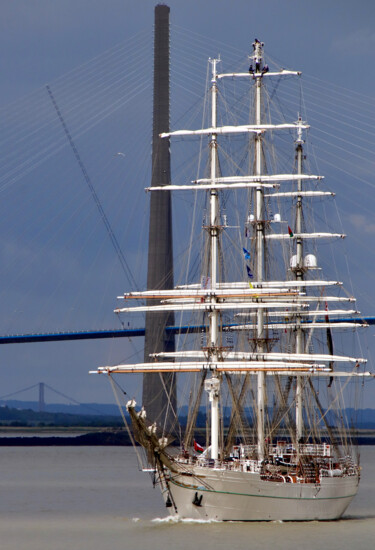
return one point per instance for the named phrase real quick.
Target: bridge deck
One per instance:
(119, 333)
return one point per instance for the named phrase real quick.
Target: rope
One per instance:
(87, 178)
(139, 458)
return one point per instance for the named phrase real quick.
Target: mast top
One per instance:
(300, 126)
(214, 62)
(257, 67)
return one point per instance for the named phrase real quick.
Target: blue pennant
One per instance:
(246, 253)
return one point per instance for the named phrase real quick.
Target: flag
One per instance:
(198, 448)
(290, 232)
(249, 274)
(246, 253)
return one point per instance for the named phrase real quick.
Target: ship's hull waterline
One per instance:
(243, 496)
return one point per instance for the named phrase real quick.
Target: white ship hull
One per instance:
(243, 496)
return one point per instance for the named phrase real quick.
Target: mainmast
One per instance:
(259, 221)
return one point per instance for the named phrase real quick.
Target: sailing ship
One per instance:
(259, 347)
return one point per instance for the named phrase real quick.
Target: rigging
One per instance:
(87, 178)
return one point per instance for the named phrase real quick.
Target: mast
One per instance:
(212, 385)
(159, 390)
(299, 277)
(259, 220)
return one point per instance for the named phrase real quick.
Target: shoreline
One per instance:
(93, 438)
(82, 436)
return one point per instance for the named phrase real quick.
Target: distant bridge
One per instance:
(41, 386)
(93, 334)
(125, 333)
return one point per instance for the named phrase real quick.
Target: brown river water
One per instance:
(95, 498)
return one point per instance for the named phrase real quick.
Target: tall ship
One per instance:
(255, 329)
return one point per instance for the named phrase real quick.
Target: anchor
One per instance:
(197, 501)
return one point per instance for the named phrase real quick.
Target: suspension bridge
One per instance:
(129, 332)
(40, 387)
(39, 390)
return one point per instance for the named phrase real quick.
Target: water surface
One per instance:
(94, 498)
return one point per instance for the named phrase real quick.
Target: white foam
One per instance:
(177, 519)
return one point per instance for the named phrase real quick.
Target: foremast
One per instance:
(212, 385)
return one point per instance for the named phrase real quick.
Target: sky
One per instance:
(57, 43)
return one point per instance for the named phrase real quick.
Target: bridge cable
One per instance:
(86, 176)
